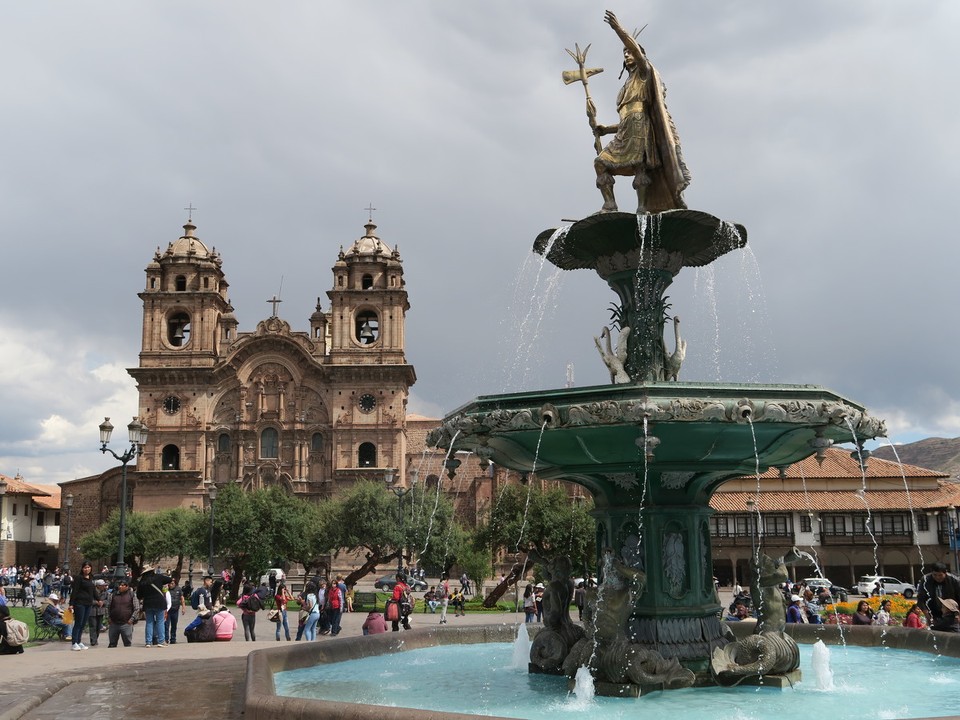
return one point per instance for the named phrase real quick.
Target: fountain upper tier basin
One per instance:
(697, 434)
(612, 242)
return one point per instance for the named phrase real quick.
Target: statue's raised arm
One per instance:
(646, 145)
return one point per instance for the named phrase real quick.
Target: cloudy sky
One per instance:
(828, 129)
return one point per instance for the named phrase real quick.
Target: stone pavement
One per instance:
(196, 680)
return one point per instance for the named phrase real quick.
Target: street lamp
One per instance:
(212, 494)
(138, 438)
(389, 477)
(68, 501)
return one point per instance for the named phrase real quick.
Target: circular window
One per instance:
(171, 405)
(367, 403)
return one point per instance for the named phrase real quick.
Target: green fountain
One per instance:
(650, 448)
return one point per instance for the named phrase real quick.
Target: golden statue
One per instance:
(646, 144)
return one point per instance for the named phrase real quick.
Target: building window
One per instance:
(56, 519)
(834, 525)
(269, 443)
(923, 522)
(180, 284)
(366, 282)
(14, 508)
(744, 525)
(719, 526)
(806, 523)
(895, 524)
(223, 443)
(860, 525)
(170, 457)
(776, 525)
(153, 283)
(206, 283)
(40, 516)
(367, 455)
(316, 442)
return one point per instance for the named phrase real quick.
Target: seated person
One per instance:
(374, 624)
(5, 648)
(52, 615)
(225, 624)
(740, 612)
(430, 599)
(949, 620)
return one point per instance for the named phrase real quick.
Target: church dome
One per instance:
(188, 244)
(369, 244)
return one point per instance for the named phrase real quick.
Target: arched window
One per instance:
(269, 443)
(171, 457)
(178, 329)
(316, 442)
(367, 327)
(367, 455)
(180, 284)
(223, 443)
(366, 282)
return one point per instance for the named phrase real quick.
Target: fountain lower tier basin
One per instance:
(672, 443)
(462, 673)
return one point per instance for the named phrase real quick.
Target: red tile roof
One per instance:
(838, 500)
(838, 463)
(16, 486)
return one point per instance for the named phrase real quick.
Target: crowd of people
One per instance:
(937, 604)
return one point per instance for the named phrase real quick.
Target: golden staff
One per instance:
(581, 75)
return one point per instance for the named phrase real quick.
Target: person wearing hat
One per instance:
(949, 620)
(122, 608)
(52, 615)
(538, 600)
(98, 611)
(795, 613)
(151, 589)
(936, 586)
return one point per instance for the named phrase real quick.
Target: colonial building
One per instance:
(882, 519)
(29, 524)
(309, 411)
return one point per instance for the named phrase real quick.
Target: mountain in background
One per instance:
(933, 453)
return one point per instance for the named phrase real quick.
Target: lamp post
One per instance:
(68, 501)
(389, 477)
(3, 521)
(212, 494)
(193, 507)
(138, 438)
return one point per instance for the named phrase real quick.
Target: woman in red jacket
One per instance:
(401, 592)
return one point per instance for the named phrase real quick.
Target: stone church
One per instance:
(309, 411)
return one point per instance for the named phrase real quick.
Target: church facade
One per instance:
(309, 410)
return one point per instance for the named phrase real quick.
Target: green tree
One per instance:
(538, 525)
(102, 543)
(175, 533)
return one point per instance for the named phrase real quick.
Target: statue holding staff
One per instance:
(646, 144)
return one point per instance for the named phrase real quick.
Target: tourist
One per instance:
(335, 605)
(178, 607)
(323, 619)
(529, 604)
(464, 583)
(401, 596)
(151, 590)
(248, 612)
(863, 615)
(309, 605)
(883, 616)
(281, 597)
(914, 618)
(949, 620)
(443, 595)
(935, 586)
(224, 624)
(739, 614)
(811, 607)
(795, 612)
(374, 624)
(348, 605)
(646, 145)
(81, 601)
(122, 609)
(52, 615)
(459, 603)
(580, 599)
(430, 601)
(538, 599)
(201, 600)
(98, 611)
(5, 647)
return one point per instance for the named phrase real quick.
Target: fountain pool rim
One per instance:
(262, 702)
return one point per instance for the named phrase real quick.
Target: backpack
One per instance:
(195, 598)
(254, 603)
(17, 632)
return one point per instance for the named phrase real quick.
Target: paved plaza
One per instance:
(195, 680)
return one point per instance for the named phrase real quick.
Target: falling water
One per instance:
(906, 487)
(821, 666)
(862, 494)
(758, 525)
(583, 688)
(520, 657)
(436, 502)
(706, 277)
(537, 298)
(756, 338)
(526, 507)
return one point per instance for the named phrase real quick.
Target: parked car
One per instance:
(839, 594)
(884, 585)
(388, 581)
(265, 578)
